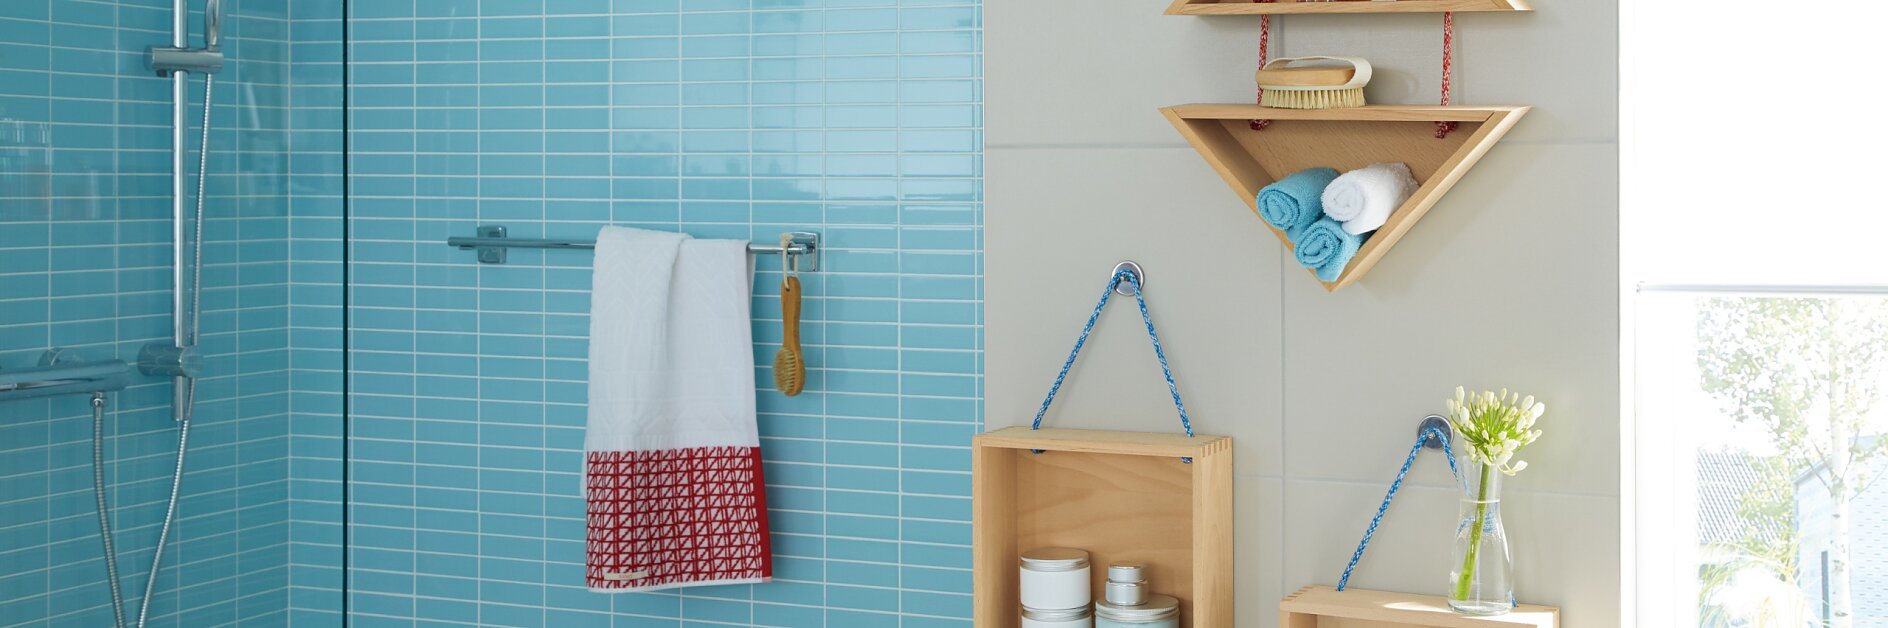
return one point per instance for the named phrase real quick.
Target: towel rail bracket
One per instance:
(493, 242)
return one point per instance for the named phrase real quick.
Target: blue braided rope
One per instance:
(1077, 351)
(1433, 432)
(1159, 353)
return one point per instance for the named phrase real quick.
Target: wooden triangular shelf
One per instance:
(1247, 7)
(1344, 139)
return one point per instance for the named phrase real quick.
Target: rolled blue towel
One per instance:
(1295, 201)
(1325, 246)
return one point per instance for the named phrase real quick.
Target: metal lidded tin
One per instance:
(1127, 572)
(1157, 609)
(1051, 559)
(1127, 584)
(1054, 578)
(1056, 617)
(1126, 593)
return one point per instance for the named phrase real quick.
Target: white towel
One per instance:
(672, 472)
(1363, 199)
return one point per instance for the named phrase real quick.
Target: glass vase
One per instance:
(1481, 576)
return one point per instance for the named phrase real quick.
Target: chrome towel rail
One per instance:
(491, 244)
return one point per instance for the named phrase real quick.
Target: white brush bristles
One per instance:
(1313, 98)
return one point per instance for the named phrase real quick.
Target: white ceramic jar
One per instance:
(1055, 578)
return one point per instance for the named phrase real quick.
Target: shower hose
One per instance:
(183, 428)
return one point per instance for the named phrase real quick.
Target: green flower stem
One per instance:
(1463, 584)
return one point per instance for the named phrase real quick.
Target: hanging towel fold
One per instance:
(1325, 247)
(1363, 199)
(672, 474)
(1295, 201)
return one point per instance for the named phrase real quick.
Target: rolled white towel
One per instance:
(1364, 198)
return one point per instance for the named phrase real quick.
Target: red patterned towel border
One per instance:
(676, 517)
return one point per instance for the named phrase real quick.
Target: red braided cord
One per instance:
(1265, 51)
(1448, 54)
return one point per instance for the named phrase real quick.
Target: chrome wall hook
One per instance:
(1140, 277)
(1435, 421)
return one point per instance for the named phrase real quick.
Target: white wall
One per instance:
(1510, 281)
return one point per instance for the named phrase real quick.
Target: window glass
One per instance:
(1773, 411)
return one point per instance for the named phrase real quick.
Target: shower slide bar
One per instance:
(491, 244)
(179, 358)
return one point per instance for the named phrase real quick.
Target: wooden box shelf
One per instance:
(1248, 7)
(1119, 495)
(1326, 607)
(1344, 139)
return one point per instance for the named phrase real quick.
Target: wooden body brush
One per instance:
(1289, 86)
(789, 366)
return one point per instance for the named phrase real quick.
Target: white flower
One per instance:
(1495, 426)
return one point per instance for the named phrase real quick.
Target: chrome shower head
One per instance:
(212, 24)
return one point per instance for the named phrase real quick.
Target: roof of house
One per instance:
(1723, 478)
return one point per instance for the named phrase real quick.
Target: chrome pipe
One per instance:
(212, 25)
(180, 23)
(541, 243)
(493, 240)
(48, 380)
(179, 214)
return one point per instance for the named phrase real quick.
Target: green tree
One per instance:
(1766, 542)
(1808, 371)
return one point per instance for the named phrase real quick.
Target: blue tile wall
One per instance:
(860, 119)
(316, 317)
(84, 263)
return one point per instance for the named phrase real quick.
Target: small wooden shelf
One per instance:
(1345, 139)
(1119, 495)
(1326, 607)
(1247, 7)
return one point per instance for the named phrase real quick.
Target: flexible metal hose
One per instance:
(196, 263)
(170, 515)
(190, 396)
(104, 519)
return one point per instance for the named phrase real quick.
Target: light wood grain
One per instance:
(1344, 139)
(1222, 152)
(1246, 7)
(1122, 496)
(1119, 508)
(1434, 186)
(1101, 441)
(1212, 523)
(1311, 76)
(1369, 113)
(1326, 607)
(993, 535)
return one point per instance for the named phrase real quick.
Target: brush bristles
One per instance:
(1313, 99)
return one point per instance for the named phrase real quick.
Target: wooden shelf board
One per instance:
(1345, 139)
(1103, 442)
(1323, 606)
(1211, 7)
(1369, 113)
